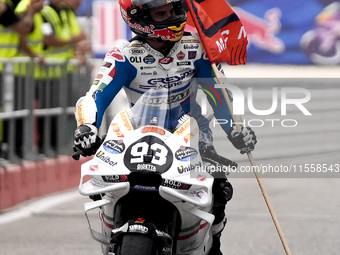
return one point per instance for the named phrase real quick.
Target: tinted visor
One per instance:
(149, 4)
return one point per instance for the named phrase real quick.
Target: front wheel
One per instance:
(135, 244)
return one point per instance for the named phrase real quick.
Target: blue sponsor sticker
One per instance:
(114, 146)
(186, 153)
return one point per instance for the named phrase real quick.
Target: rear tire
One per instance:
(137, 245)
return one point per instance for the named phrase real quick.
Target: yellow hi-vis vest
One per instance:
(9, 39)
(74, 26)
(34, 41)
(9, 42)
(75, 31)
(62, 31)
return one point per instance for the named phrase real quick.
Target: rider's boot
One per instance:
(217, 228)
(223, 192)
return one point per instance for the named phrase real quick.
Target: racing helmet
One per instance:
(136, 13)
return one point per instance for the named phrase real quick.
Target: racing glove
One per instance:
(244, 141)
(86, 139)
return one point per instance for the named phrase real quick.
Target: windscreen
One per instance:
(154, 108)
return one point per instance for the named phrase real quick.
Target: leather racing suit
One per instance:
(136, 67)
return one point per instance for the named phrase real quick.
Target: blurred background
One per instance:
(291, 44)
(282, 32)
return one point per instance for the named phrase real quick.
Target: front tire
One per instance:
(137, 245)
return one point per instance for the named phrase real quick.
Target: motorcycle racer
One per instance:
(162, 55)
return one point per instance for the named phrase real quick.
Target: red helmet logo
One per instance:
(171, 33)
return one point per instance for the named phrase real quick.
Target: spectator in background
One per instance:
(32, 45)
(11, 26)
(62, 35)
(83, 47)
(61, 30)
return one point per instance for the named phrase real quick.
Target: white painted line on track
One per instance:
(38, 206)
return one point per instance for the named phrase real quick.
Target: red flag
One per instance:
(221, 31)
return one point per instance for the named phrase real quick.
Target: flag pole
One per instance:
(219, 77)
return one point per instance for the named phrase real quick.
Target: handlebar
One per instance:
(76, 154)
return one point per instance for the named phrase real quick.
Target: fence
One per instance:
(37, 106)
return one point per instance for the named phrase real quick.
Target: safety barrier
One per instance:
(37, 125)
(37, 106)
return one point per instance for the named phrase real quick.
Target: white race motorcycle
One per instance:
(149, 178)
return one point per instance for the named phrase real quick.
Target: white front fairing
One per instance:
(188, 190)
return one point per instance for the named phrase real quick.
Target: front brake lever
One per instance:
(76, 154)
